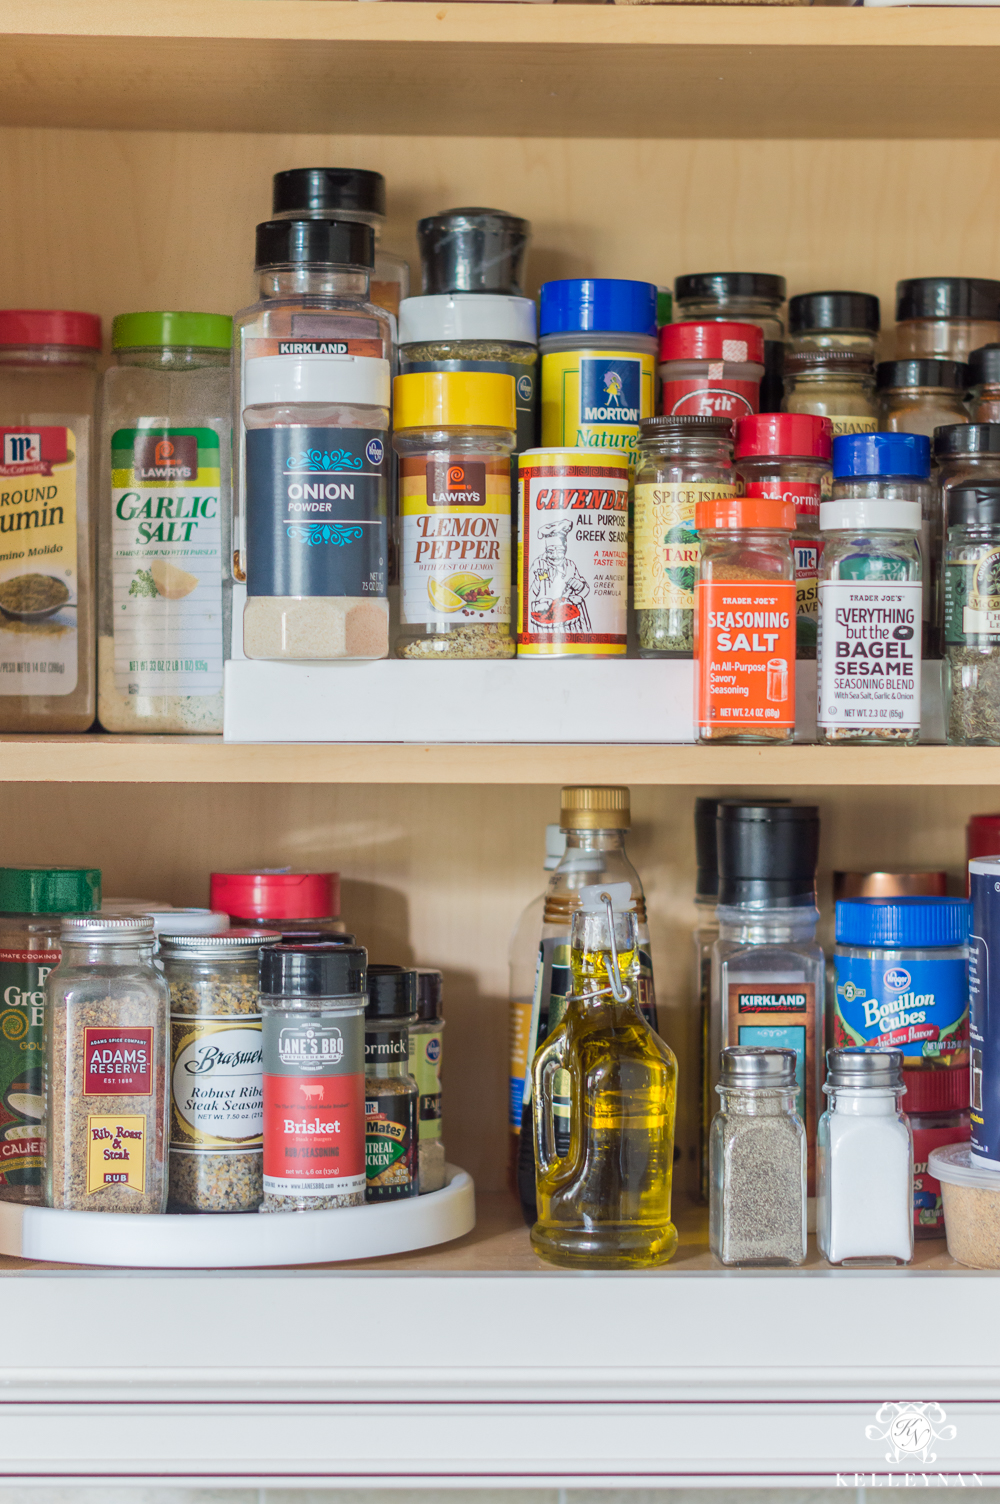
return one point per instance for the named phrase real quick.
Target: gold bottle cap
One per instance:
(595, 809)
(890, 885)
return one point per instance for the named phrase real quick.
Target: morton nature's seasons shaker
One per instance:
(392, 1095)
(32, 900)
(572, 554)
(984, 1007)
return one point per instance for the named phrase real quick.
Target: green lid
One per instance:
(203, 331)
(49, 890)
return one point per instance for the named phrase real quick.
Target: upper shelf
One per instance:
(499, 70)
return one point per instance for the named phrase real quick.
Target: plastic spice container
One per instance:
(165, 544)
(391, 1094)
(312, 999)
(834, 321)
(106, 1051)
(946, 316)
(834, 384)
(864, 1159)
(32, 902)
(743, 298)
(972, 614)
(290, 902)
(786, 457)
(216, 1070)
(683, 461)
(473, 250)
(971, 1197)
(352, 194)
(757, 1161)
(984, 377)
(745, 625)
(917, 396)
(454, 433)
(425, 1068)
(598, 351)
(48, 387)
(311, 433)
(711, 369)
(932, 1130)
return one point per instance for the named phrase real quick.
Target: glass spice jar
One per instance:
(425, 1067)
(833, 321)
(966, 454)
(106, 1052)
(984, 378)
(835, 384)
(917, 396)
(711, 369)
(945, 317)
(972, 614)
(392, 1095)
(683, 460)
(743, 298)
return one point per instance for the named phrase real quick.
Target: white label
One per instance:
(217, 1084)
(976, 623)
(575, 559)
(869, 654)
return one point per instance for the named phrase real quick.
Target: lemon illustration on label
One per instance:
(442, 598)
(476, 593)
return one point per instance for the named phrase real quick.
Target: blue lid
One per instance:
(581, 304)
(874, 454)
(895, 922)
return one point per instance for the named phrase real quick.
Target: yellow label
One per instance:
(116, 1151)
(593, 399)
(847, 424)
(667, 551)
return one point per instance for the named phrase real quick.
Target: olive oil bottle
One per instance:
(605, 1202)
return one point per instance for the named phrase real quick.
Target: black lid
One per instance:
(768, 852)
(984, 365)
(686, 423)
(828, 360)
(306, 937)
(315, 242)
(473, 250)
(903, 373)
(834, 310)
(310, 190)
(948, 298)
(706, 848)
(724, 285)
(976, 504)
(392, 992)
(313, 970)
(966, 438)
(430, 986)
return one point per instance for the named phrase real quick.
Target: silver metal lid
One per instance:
(746, 1066)
(865, 1068)
(227, 945)
(108, 929)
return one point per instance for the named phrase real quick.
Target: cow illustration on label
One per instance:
(558, 589)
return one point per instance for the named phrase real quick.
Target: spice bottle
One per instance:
(917, 396)
(704, 936)
(768, 974)
(683, 461)
(107, 1046)
(864, 1158)
(312, 998)
(454, 433)
(946, 316)
(744, 298)
(352, 194)
(311, 430)
(290, 902)
(972, 614)
(786, 457)
(984, 378)
(757, 1207)
(48, 387)
(932, 1130)
(32, 903)
(745, 620)
(216, 1070)
(597, 342)
(833, 321)
(834, 384)
(713, 370)
(473, 250)
(425, 1068)
(965, 454)
(165, 546)
(870, 591)
(604, 1196)
(391, 1093)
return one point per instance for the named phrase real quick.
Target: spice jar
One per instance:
(684, 460)
(966, 454)
(311, 431)
(425, 1068)
(473, 250)
(48, 387)
(745, 623)
(744, 298)
(834, 384)
(290, 902)
(711, 369)
(932, 1130)
(165, 545)
(917, 396)
(391, 1093)
(216, 1070)
(312, 998)
(972, 614)
(984, 378)
(32, 903)
(786, 457)
(597, 342)
(106, 1060)
(946, 316)
(864, 1158)
(454, 433)
(757, 1158)
(971, 1206)
(833, 321)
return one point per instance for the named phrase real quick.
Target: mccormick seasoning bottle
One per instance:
(391, 1094)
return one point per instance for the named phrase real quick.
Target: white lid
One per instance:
(271, 379)
(190, 922)
(133, 906)
(955, 1166)
(988, 864)
(862, 514)
(555, 846)
(467, 315)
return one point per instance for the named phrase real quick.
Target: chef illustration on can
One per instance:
(558, 589)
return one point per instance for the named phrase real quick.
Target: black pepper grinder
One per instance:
(473, 250)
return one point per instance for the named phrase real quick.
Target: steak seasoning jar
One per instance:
(106, 1043)
(391, 1094)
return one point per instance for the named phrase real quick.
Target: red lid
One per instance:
(49, 326)
(982, 836)
(732, 513)
(797, 435)
(736, 343)
(936, 1090)
(276, 895)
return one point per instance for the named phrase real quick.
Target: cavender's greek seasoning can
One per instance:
(984, 1006)
(391, 1094)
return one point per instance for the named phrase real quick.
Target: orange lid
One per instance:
(730, 513)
